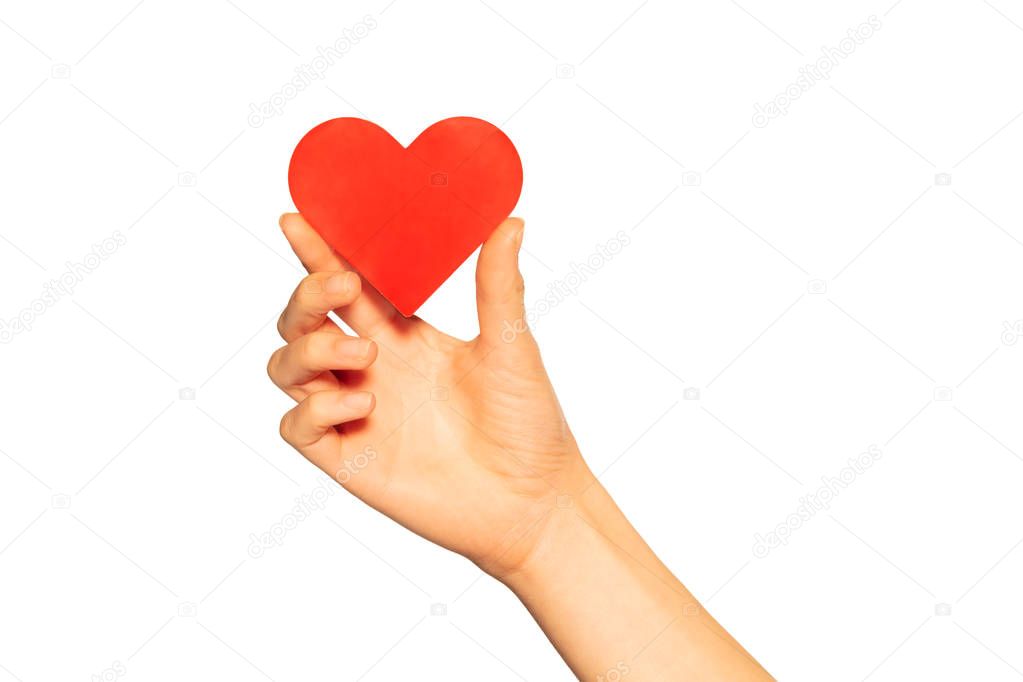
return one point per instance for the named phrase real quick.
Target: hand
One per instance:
(462, 442)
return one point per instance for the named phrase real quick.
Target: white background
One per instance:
(810, 281)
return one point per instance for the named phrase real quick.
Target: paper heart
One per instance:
(405, 218)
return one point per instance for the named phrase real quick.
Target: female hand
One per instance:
(463, 442)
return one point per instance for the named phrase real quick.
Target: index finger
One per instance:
(370, 314)
(317, 295)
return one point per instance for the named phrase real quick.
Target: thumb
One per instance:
(499, 286)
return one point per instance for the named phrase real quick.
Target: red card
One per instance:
(405, 218)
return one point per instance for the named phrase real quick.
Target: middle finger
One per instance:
(311, 355)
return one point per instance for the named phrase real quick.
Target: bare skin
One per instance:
(464, 443)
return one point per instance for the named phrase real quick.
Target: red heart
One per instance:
(405, 218)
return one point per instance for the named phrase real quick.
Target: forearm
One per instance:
(611, 608)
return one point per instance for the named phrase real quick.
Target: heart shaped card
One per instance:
(405, 217)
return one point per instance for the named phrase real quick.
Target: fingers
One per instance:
(499, 286)
(315, 254)
(313, 354)
(317, 295)
(370, 313)
(309, 426)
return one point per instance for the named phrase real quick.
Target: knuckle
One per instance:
(287, 426)
(281, 329)
(273, 365)
(519, 285)
(316, 407)
(311, 349)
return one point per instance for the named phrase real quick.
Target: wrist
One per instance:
(608, 604)
(580, 524)
(597, 590)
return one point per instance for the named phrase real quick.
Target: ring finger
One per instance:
(304, 366)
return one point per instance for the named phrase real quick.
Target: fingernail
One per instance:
(337, 283)
(358, 401)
